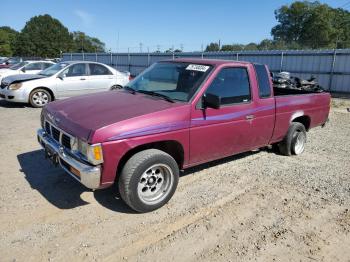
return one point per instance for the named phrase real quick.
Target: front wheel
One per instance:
(148, 180)
(39, 97)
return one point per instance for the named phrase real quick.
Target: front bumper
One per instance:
(13, 95)
(88, 175)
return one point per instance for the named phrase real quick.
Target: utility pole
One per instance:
(118, 43)
(181, 47)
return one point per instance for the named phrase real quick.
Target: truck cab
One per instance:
(174, 115)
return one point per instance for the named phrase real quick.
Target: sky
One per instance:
(186, 24)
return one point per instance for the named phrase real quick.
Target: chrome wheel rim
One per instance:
(40, 98)
(155, 184)
(299, 143)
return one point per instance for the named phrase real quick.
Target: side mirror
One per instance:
(7, 63)
(23, 69)
(211, 100)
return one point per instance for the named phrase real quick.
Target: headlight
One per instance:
(92, 153)
(15, 86)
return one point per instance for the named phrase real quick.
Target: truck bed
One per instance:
(291, 104)
(288, 91)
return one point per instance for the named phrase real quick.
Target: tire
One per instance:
(148, 180)
(116, 87)
(294, 142)
(39, 97)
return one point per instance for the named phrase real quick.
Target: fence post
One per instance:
(281, 63)
(96, 56)
(129, 61)
(332, 70)
(237, 56)
(83, 57)
(111, 59)
(71, 56)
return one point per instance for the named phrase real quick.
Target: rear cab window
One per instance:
(263, 81)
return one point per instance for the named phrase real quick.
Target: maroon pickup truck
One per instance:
(175, 115)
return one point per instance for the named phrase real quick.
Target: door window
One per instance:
(96, 69)
(33, 66)
(231, 85)
(46, 65)
(75, 70)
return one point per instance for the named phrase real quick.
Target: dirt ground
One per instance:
(254, 206)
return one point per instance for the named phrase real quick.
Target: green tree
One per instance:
(342, 25)
(212, 47)
(7, 37)
(251, 47)
(43, 36)
(87, 44)
(312, 25)
(234, 47)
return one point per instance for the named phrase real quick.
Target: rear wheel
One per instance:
(294, 142)
(148, 180)
(39, 97)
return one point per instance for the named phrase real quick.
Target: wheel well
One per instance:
(305, 120)
(170, 147)
(45, 88)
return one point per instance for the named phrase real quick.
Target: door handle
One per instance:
(82, 78)
(249, 117)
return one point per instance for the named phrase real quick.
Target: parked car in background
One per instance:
(62, 80)
(2, 59)
(175, 115)
(8, 62)
(25, 67)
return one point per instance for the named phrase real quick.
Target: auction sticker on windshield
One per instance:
(200, 68)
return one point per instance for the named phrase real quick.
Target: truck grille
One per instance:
(57, 135)
(66, 141)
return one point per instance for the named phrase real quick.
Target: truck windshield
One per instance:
(53, 69)
(174, 80)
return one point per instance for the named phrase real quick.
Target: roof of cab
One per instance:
(213, 62)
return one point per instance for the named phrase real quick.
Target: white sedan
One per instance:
(62, 80)
(25, 67)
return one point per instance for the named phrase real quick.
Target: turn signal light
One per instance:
(97, 153)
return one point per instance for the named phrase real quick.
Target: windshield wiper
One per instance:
(152, 93)
(130, 89)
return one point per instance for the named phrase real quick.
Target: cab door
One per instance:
(73, 81)
(216, 133)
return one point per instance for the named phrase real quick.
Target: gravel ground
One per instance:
(254, 206)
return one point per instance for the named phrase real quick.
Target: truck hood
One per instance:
(103, 116)
(20, 78)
